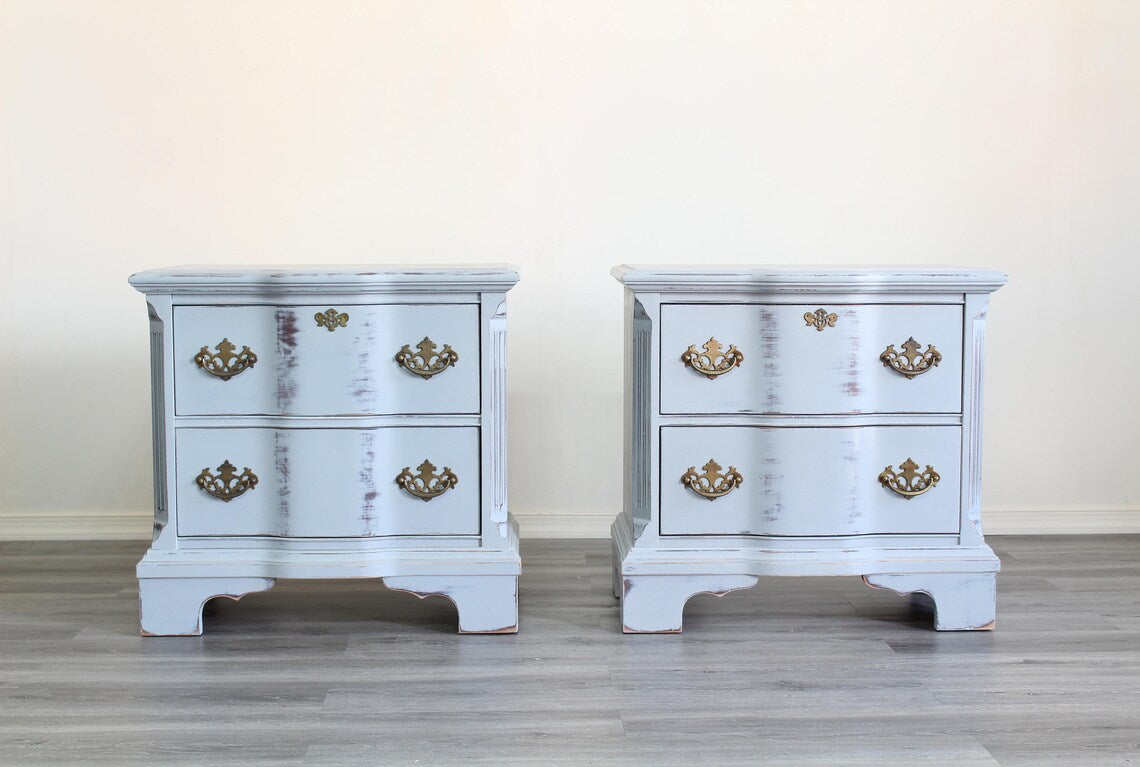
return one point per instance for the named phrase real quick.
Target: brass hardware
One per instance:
(910, 361)
(225, 364)
(331, 319)
(908, 482)
(427, 484)
(227, 484)
(821, 319)
(427, 361)
(712, 484)
(712, 362)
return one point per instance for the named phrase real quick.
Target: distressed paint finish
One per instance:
(327, 420)
(653, 604)
(173, 606)
(791, 368)
(301, 471)
(961, 601)
(809, 481)
(494, 433)
(487, 604)
(810, 419)
(302, 369)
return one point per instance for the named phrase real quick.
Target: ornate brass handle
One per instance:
(227, 484)
(820, 319)
(427, 484)
(910, 361)
(427, 361)
(713, 362)
(331, 319)
(226, 363)
(712, 484)
(908, 481)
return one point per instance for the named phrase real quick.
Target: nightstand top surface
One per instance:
(325, 277)
(864, 279)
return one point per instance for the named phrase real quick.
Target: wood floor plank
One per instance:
(797, 671)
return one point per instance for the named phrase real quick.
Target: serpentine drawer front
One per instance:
(807, 421)
(322, 360)
(814, 482)
(348, 474)
(329, 422)
(798, 362)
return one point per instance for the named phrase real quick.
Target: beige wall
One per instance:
(566, 137)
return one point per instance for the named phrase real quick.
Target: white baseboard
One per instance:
(76, 525)
(1060, 521)
(79, 525)
(534, 524)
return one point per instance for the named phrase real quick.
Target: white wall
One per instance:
(566, 137)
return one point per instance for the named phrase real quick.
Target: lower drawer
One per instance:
(807, 481)
(327, 482)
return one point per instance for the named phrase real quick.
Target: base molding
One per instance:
(76, 525)
(136, 525)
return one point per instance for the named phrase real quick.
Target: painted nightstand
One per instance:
(803, 422)
(329, 423)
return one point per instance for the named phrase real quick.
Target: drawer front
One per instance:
(791, 367)
(303, 368)
(808, 481)
(326, 482)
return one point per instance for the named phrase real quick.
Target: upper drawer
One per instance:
(303, 367)
(787, 364)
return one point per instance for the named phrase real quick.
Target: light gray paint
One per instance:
(304, 369)
(810, 419)
(790, 367)
(326, 420)
(809, 481)
(329, 483)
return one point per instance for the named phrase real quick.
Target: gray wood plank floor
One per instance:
(820, 671)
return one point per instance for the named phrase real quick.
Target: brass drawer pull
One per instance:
(427, 484)
(712, 362)
(712, 484)
(427, 361)
(331, 319)
(820, 319)
(910, 361)
(908, 482)
(226, 363)
(227, 484)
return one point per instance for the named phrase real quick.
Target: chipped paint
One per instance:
(286, 345)
(284, 489)
(853, 338)
(364, 341)
(473, 596)
(770, 338)
(368, 481)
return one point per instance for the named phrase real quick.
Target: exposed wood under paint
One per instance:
(817, 457)
(351, 464)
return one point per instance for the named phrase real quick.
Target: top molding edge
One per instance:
(326, 279)
(773, 279)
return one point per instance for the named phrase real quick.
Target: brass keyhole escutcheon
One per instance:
(820, 319)
(331, 319)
